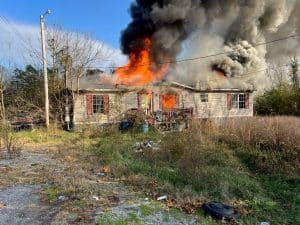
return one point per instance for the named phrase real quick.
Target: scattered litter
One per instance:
(146, 199)
(114, 199)
(34, 164)
(220, 211)
(187, 207)
(95, 198)
(164, 197)
(61, 198)
(264, 223)
(146, 146)
(100, 174)
(2, 205)
(105, 169)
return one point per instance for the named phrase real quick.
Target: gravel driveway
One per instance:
(20, 205)
(24, 180)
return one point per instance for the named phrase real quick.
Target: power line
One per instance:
(26, 43)
(208, 56)
(228, 52)
(246, 74)
(28, 46)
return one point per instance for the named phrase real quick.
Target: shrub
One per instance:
(281, 100)
(9, 141)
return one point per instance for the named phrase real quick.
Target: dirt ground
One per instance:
(55, 186)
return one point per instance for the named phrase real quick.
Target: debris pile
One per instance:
(146, 146)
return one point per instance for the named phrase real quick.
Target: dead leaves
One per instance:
(2, 205)
(106, 169)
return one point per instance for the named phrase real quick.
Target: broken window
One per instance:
(204, 97)
(169, 101)
(145, 100)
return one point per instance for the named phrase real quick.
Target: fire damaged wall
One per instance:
(215, 106)
(172, 29)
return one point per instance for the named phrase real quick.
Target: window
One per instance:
(238, 101)
(204, 97)
(98, 104)
(169, 101)
(242, 101)
(145, 100)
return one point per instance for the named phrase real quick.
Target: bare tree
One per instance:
(76, 53)
(278, 75)
(73, 54)
(294, 72)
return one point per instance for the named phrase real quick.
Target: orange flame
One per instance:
(141, 70)
(169, 101)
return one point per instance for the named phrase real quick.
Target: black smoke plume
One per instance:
(239, 24)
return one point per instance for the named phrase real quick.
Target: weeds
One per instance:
(9, 142)
(270, 145)
(228, 161)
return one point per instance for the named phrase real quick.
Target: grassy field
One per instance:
(252, 164)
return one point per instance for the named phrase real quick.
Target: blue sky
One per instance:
(104, 19)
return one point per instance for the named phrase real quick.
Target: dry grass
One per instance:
(270, 144)
(10, 144)
(279, 134)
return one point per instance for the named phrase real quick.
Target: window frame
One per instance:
(204, 97)
(238, 101)
(161, 100)
(98, 105)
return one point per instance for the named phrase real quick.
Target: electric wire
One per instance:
(28, 46)
(211, 55)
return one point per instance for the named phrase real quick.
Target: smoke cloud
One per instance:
(192, 28)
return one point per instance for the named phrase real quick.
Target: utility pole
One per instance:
(2, 106)
(295, 76)
(42, 26)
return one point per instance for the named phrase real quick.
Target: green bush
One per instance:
(281, 100)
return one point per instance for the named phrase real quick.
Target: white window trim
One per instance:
(236, 101)
(97, 104)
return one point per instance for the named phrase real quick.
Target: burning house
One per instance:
(161, 103)
(196, 58)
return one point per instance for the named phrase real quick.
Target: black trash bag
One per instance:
(220, 211)
(125, 125)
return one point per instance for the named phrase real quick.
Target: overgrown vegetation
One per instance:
(252, 163)
(10, 144)
(280, 100)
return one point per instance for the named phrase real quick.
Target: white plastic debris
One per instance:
(164, 197)
(61, 198)
(146, 146)
(95, 198)
(264, 223)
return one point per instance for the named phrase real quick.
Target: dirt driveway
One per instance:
(55, 186)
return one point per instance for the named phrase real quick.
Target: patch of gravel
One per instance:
(21, 206)
(28, 159)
